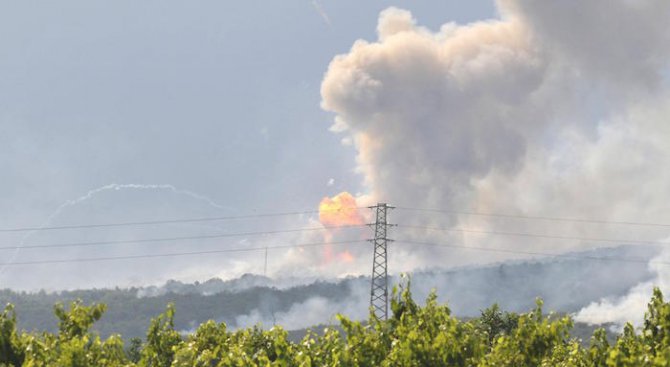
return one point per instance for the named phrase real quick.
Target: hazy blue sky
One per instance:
(216, 97)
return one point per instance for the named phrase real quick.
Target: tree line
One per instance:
(413, 335)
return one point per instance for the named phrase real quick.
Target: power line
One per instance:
(536, 253)
(297, 230)
(281, 214)
(170, 239)
(316, 244)
(177, 254)
(532, 217)
(533, 235)
(172, 221)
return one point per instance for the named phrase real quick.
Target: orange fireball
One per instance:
(340, 210)
(346, 256)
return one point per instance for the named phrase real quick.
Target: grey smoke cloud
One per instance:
(557, 108)
(622, 43)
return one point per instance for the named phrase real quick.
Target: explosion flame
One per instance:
(340, 210)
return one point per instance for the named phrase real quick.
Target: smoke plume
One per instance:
(556, 108)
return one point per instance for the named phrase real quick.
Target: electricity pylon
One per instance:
(379, 281)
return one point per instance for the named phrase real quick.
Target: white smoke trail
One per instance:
(118, 187)
(319, 9)
(110, 187)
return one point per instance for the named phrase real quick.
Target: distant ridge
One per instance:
(566, 284)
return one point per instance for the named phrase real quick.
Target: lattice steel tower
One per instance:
(379, 287)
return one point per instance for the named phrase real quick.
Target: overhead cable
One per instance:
(535, 217)
(534, 235)
(170, 221)
(176, 254)
(172, 239)
(535, 253)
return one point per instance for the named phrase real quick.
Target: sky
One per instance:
(221, 99)
(116, 112)
(216, 98)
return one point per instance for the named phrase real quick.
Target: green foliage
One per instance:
(75, 345)
(430, 336)
(11, 348)
(495, 322)
(414, 336)
(78, 320)
(162, 340)
(134, 351)
(535, 339)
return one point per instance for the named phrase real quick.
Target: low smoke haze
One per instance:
(488, 125)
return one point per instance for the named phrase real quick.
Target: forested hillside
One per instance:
(566, 284)
(129, 314)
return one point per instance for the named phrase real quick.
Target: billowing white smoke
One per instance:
(559, 108)
(314, 311)
(631, 307)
